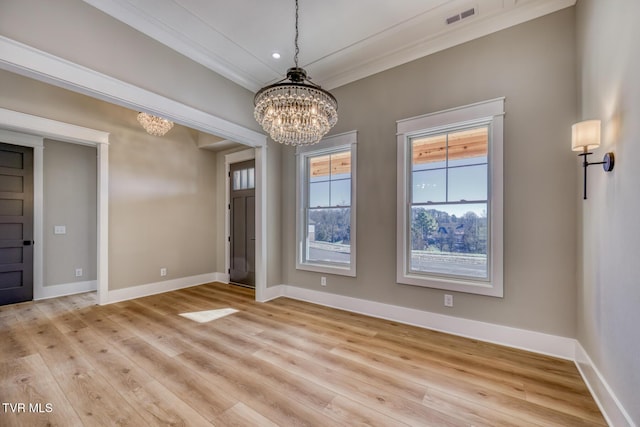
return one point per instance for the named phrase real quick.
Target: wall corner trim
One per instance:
(609, 405)
(272, 292)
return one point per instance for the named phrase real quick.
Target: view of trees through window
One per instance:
(449, 201)
(445, 243)
(329, 208)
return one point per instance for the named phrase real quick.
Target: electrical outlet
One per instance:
(163, 271)
(78, 272)
(448, 300)
(323, 281)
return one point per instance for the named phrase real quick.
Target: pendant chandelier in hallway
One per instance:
(154, 125)
(295, 111)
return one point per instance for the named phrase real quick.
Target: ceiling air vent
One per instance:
(460, 16)
(452, 19)
(468, 13)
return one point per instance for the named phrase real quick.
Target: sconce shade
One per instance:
(585, 135)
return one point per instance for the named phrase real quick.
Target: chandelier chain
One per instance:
(295, 57)
(295, 111)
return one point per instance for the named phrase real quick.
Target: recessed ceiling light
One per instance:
(275, 55)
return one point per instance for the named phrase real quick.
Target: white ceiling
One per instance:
(340, 40)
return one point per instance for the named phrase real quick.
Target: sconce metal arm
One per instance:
(607, 164)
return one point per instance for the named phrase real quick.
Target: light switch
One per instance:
(60, 229)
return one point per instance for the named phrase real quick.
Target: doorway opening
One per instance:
(242, 227)
(18, 128)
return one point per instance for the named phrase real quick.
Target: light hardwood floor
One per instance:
(283, 363)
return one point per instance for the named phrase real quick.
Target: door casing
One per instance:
(12, 126)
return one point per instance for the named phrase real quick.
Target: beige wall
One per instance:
(161, 190)
(70, 200)
(609, 272)
(74, 30)
(533, 66)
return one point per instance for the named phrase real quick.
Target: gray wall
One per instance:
(162, 196)
(533, 66)
(70, 200)
(609, 272)
(74, 30)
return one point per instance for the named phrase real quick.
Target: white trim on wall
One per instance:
(140, 291)
(609, 405)
(31, 62)
(54, 291)
(261, 222)
(28, 61)
(61, 131)
(260, 156)
(538, 342)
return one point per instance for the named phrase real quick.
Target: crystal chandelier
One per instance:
(154, 125)
(295, 112)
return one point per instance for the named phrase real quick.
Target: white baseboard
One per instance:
(222, 277)
(538, 342)
(552, 345)
(139, 291)
(609, 405)
(64, 289)
(270, 293)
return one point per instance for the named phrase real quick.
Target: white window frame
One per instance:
(488, 113)
(340, 142)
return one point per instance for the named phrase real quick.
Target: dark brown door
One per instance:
(243, 231)
(16, 224)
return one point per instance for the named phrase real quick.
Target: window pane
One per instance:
(429, 186)
(429, 152)
(449, 240)
(341, 165)
(236, 180)
(341, 192)
(328, 235)
(252, 180)
(243, 179)
(468, 183)
(318, 194)
(468, 147)
(319, 168)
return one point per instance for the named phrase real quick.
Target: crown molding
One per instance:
(422, 35)
(435, 41)
(177, 28)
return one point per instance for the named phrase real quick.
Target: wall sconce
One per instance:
(584, 137)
